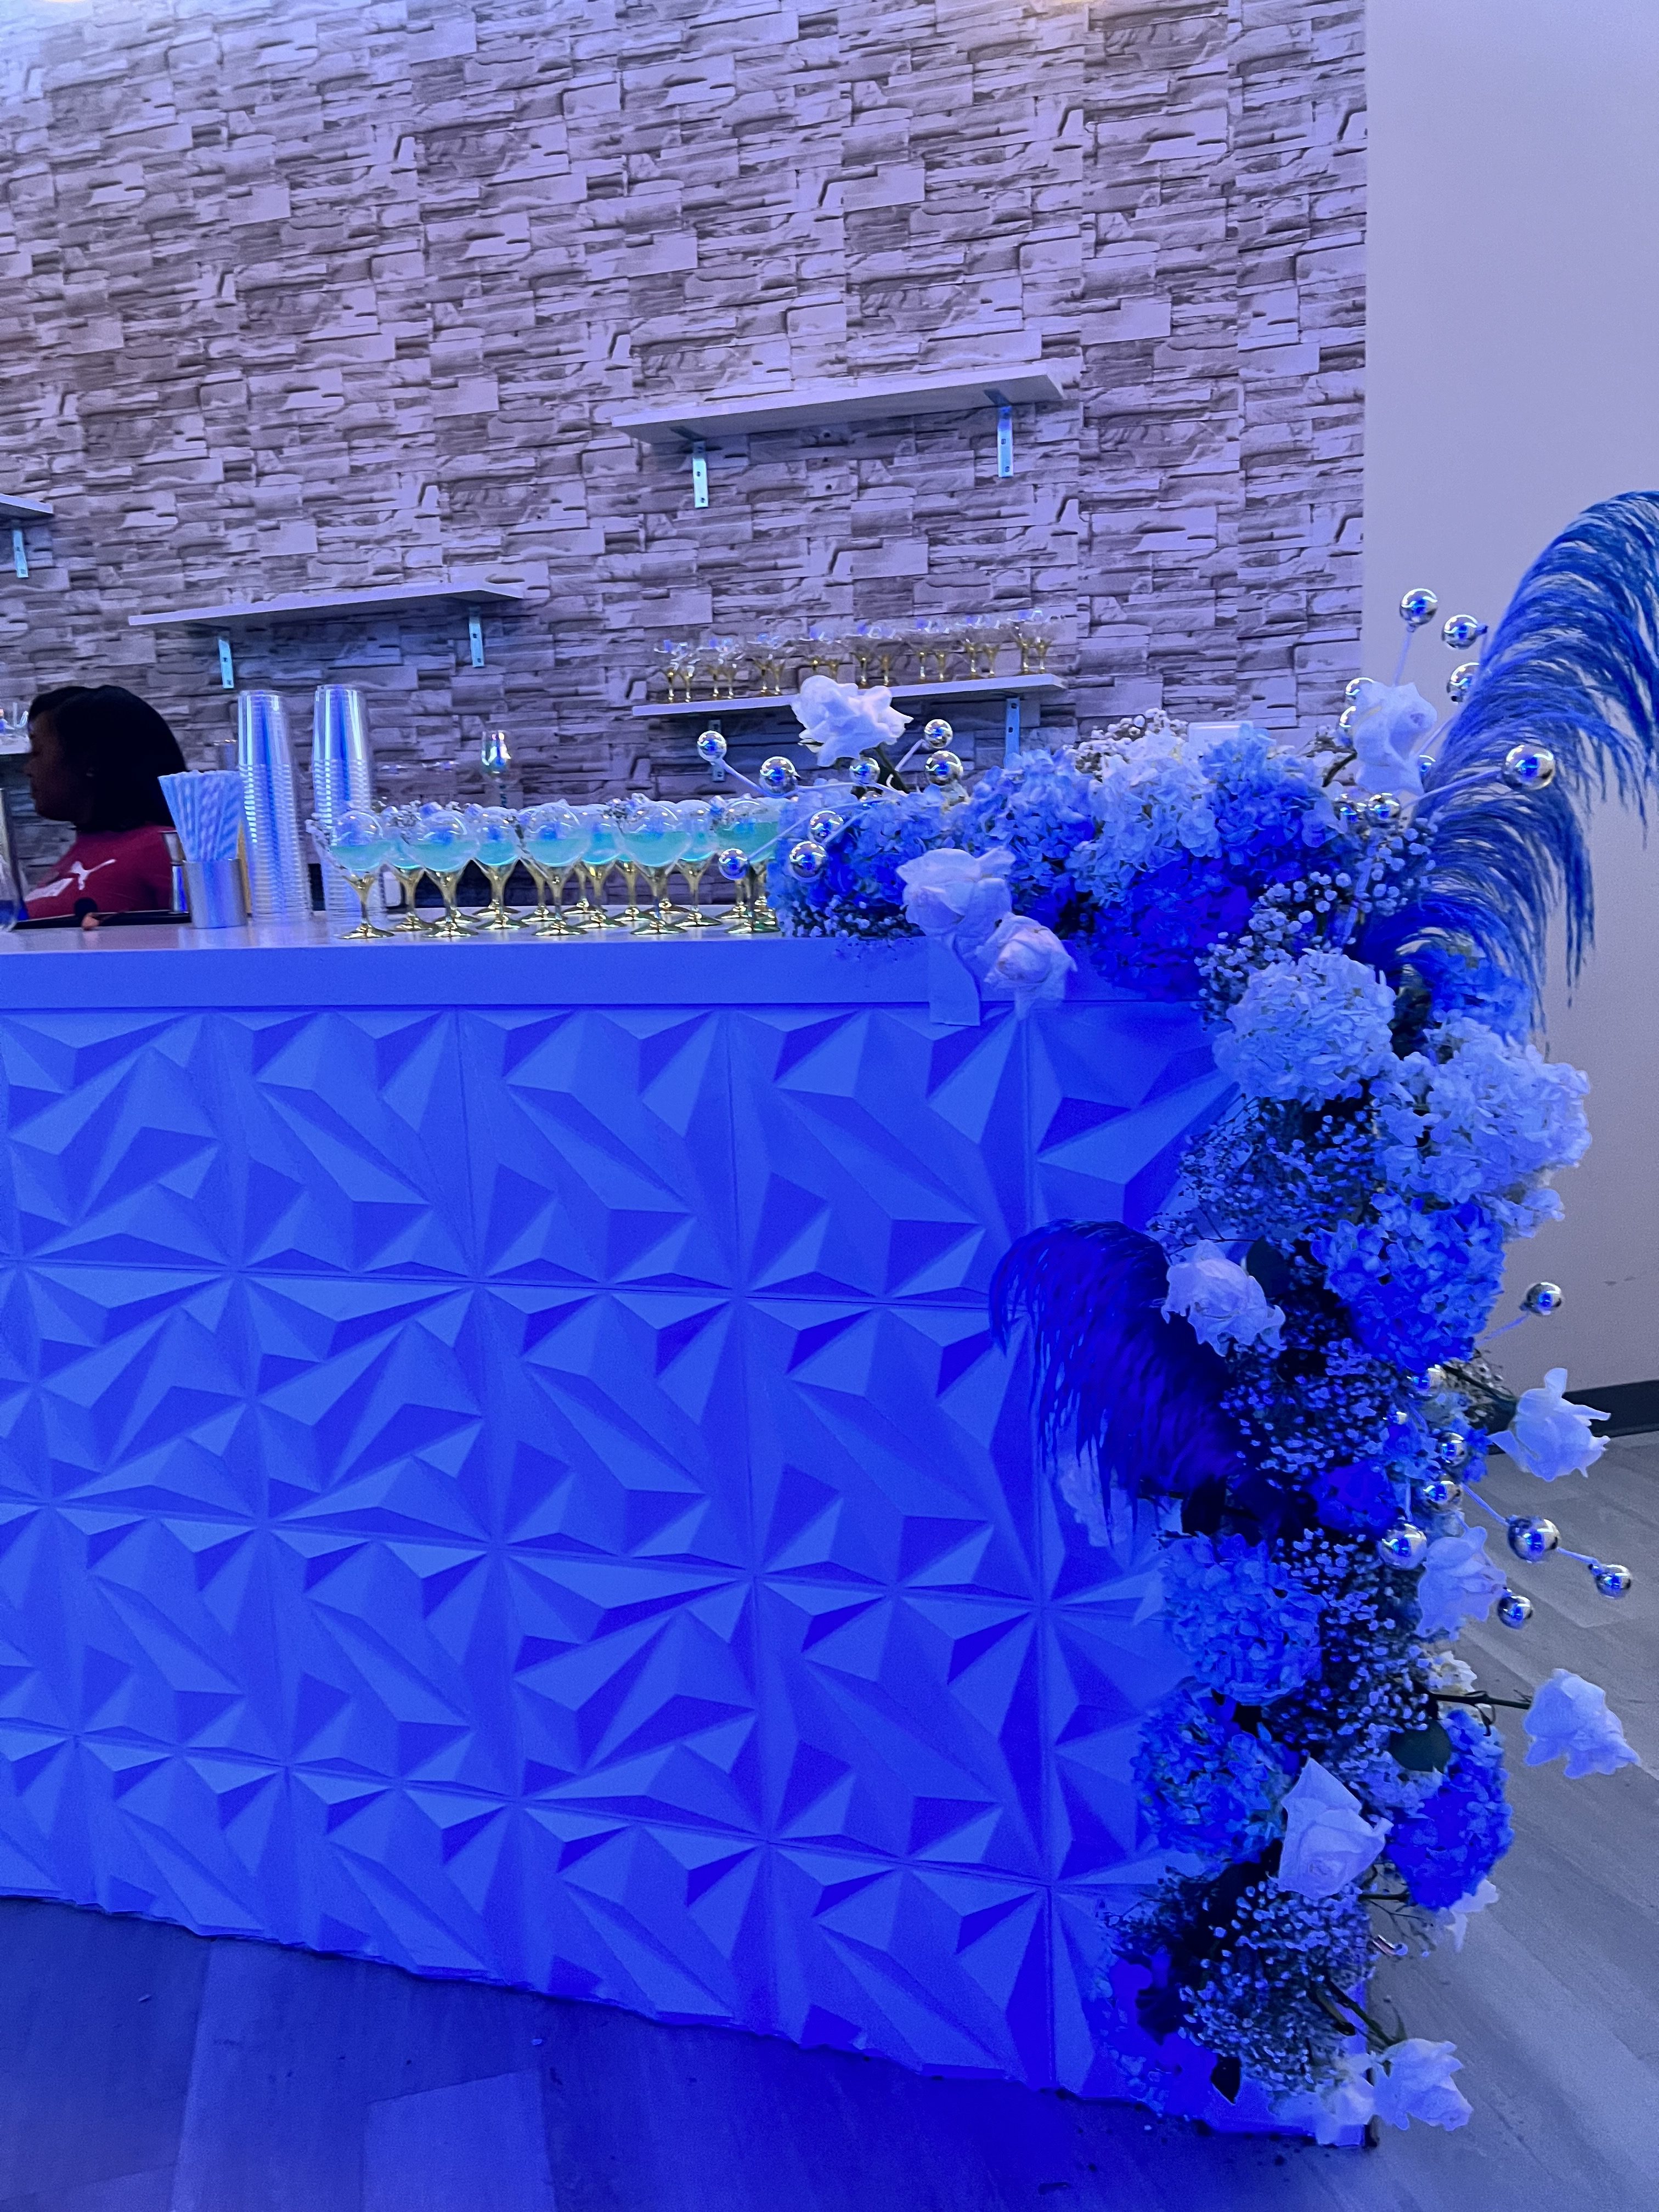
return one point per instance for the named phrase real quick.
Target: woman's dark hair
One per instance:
(118, 740)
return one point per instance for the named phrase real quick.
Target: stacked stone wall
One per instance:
(298, 294)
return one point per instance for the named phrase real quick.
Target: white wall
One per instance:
(1513, 376)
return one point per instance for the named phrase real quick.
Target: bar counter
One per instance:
(503, 1470)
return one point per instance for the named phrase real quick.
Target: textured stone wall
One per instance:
(301, 293)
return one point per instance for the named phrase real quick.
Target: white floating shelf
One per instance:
(382, 599)
(970, 687)
(853, 400)
(13, 509)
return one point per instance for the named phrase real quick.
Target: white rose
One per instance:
(1459, 1584)
(1328, 1842)
(1022, 961)
(1223, 1300)
(1413, 2081)
(1330, 2114)
(1453, 1920)
(950, 891)
(1392, 724)
(1570, 1720)
(1550, 1437)
(839, 721)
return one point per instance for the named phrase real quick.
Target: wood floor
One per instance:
(144, 2070)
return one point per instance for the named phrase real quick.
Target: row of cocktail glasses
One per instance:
(560, 845)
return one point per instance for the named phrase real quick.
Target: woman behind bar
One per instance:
(95, 756)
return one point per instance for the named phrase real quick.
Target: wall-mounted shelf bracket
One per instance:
(1011, 727)
(20, 551)
(1005, 435)
(227, 664)
(698, 473)
(475, 636)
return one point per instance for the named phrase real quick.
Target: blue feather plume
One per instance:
(1573, 665)
(1138, 1394)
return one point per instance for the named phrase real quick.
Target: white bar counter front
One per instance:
(504, 1469)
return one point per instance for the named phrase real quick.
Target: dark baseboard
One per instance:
(1631, 1407)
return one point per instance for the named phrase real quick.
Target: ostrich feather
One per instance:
(1573, 665)
(1138, 1394)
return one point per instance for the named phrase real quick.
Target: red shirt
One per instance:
(121, 870)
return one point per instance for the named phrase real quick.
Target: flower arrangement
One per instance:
(1290, 1358)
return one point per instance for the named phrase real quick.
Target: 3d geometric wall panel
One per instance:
(527, 1491)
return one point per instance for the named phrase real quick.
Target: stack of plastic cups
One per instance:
(342, 777)
(279, 884)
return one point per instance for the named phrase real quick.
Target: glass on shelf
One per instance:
(554, 838)
(863, 644)
(723, 659)
(891, 642)
(772, 654)
(980, 636)
(824, 647)
(1034, 631)
(359, 845)
(679, 659)
(935, 637)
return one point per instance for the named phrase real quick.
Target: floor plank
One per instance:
(97, 2030)
(478, 2147)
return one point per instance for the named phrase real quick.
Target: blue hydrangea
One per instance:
(1419, 1283)
(1248, 1627)
(1207, 1785)
(1446, 1849)
(1152, 800)
(858, 893)
(1039, 806)
(1358, 1498)
(1476, 1115)
(1315, 1029)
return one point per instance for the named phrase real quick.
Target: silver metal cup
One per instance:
(214, 888)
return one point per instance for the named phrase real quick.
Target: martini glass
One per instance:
(498, 854)
(654, 838)
(702, 841)
(443, 842)
(358, 845)
(555, 837)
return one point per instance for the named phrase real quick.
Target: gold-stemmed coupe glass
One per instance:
(751, 829)
(601, 853)
(407, 867)
(443, 842)
(703, 838)
(358, 845)
(498, 853)
(555, 837)
(654, 838)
